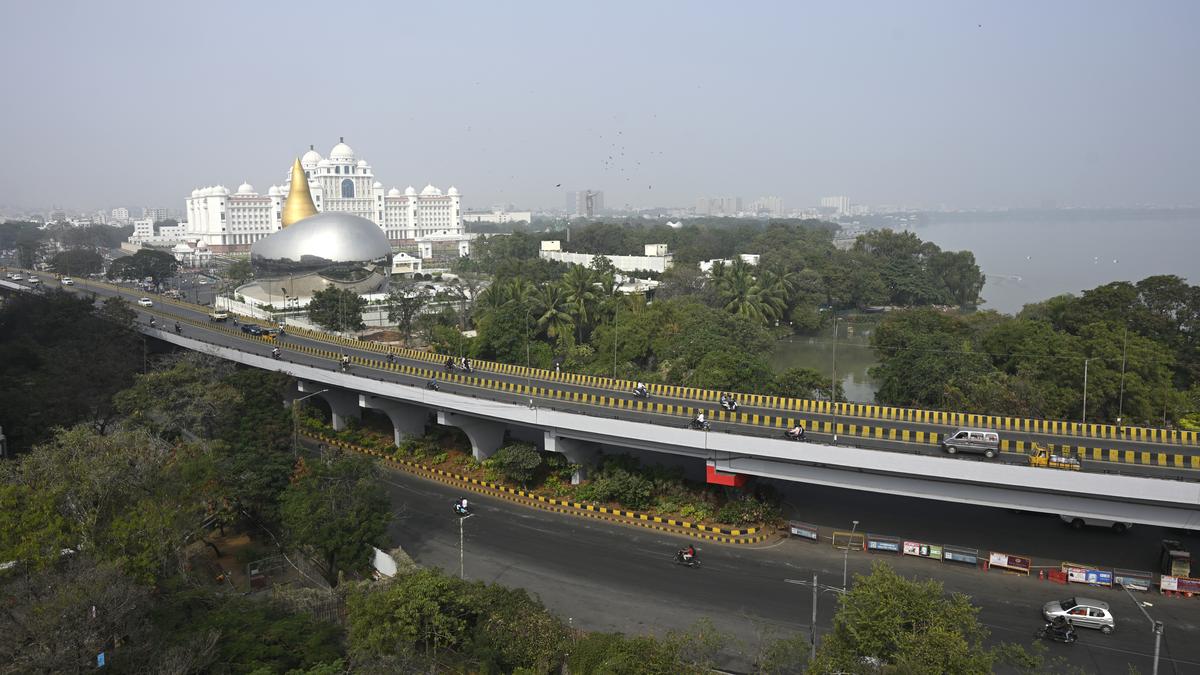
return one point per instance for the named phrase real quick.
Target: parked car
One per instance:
(1078, 522)
(986, 443)
(146, 302)
(1080, 611)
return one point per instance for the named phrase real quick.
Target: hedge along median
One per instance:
(481, 477)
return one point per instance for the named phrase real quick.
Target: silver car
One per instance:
(1085, 612)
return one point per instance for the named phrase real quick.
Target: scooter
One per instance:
(345, 367)
(432, 384)
(275, 353)
(641, 393)
(1049, 633)
(178, 329)
(449, 366)
(796, 437)
(699, 426)
(693, 563)
(458, 509)
(466, 366)
(730, 405)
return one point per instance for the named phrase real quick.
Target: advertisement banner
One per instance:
(1007, 561)
(1179, 584)
(1083, 575)
(1134, 580)
(968, 556)
(921, 550)
(802, 530)
(881, 544)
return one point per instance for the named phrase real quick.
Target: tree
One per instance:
(337, 510)
(77, 262)
(579, 288)
(517, 462)
(185, 396)
(337, 309)
(551, 312)
(804, 383)
(908, 625)
(156, 265)
(404, 304)
(239, 272)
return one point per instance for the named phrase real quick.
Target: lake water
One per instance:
(1027, 257)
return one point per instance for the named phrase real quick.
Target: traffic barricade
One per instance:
(1184, 586)
(922, 550)
(1134, 580)
(803, 530)
(855, 541)
(961, 554)
(880, 544)
(1009, 563)
(1087, 574)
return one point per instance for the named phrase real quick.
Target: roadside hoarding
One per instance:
(1134, 580)
(1009, 562)
(855, 541)
(1087, 574)
(802, 530)
(960, 554)
(883, 544)
(922, 550)
(1178, 584)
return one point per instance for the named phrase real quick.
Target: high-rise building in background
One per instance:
(769, 206)
(120, 215)
(718, 206)
(840, 205)
(155, 215)
(585, 202)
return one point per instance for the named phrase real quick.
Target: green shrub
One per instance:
(517, 462)
(439, 458)
(747, 511)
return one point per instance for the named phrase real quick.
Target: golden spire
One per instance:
(299, 204)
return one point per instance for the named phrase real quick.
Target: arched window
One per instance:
(347, 189)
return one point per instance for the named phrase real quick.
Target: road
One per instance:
(198, 314)
(615, 578)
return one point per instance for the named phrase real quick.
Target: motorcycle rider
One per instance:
(699, 422)
(178, 328)
(345, 362)
(1060, 628)
(275, 352)
(152, 322)
(688, 553)
(641, 390)
(796, 432)
(461, 506)
(432, 384)
(391, 358)
(466, 364)
(449, 363)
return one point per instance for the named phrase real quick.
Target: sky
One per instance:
(962, 103)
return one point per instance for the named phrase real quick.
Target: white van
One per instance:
(986, 443)
(1078, 522)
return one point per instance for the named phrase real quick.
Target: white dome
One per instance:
(182, 248)
(431, 191)
(220, 190)
(246, 189)
(453, 191)
(394, 192)
(410, 191)
(324, 163)
(273, 191)
(341, 153)
(377, 185)
(196, 192)
(310, 159)
(362, 162)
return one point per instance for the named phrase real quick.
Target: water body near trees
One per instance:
(1027, 257)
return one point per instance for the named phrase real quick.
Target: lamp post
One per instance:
(846, 554)
(461, 555)
(833, 379)
(296, 421)
(1083, 419)
(1121, 396)
(616, 317)
(812, 628)
(1155, 626)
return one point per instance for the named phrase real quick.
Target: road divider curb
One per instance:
(750, 535)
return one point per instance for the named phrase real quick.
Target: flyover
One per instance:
(487, 408)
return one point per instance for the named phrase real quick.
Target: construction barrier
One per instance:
(922, 550)
(1087, 574)
(803, 530)
(883, 544)
(1009, 562)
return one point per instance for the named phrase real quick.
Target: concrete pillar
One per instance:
(407, 419)
(486, 436)
(343, 403)
(582, 454)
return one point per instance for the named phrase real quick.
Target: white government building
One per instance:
(226, 222)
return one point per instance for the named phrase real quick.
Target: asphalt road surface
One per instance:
(611, 577)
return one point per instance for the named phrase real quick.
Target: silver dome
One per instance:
(328, 249)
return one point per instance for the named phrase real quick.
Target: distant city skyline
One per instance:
(927, 104)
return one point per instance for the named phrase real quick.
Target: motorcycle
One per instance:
(641, 393)
(1049, 632)
(345, 366)
(466, 366)
(463, 513)
(693, 563)
(795, 437)
(178, 329)
(432, 384)
(729, 405)
(699, 426)
(275, 354)
(449, 366)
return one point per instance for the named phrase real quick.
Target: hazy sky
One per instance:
(919, 103)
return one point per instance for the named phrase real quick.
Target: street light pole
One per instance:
(833, 380)
(1085, 374)
(1155, 626)
(812, 627)
(461, 555)
(1121, 397)
(296, 421)
(846, 554)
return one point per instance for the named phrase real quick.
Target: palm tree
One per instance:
(743, 295)
(491, 300)
(579, 287)
(553, 315)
